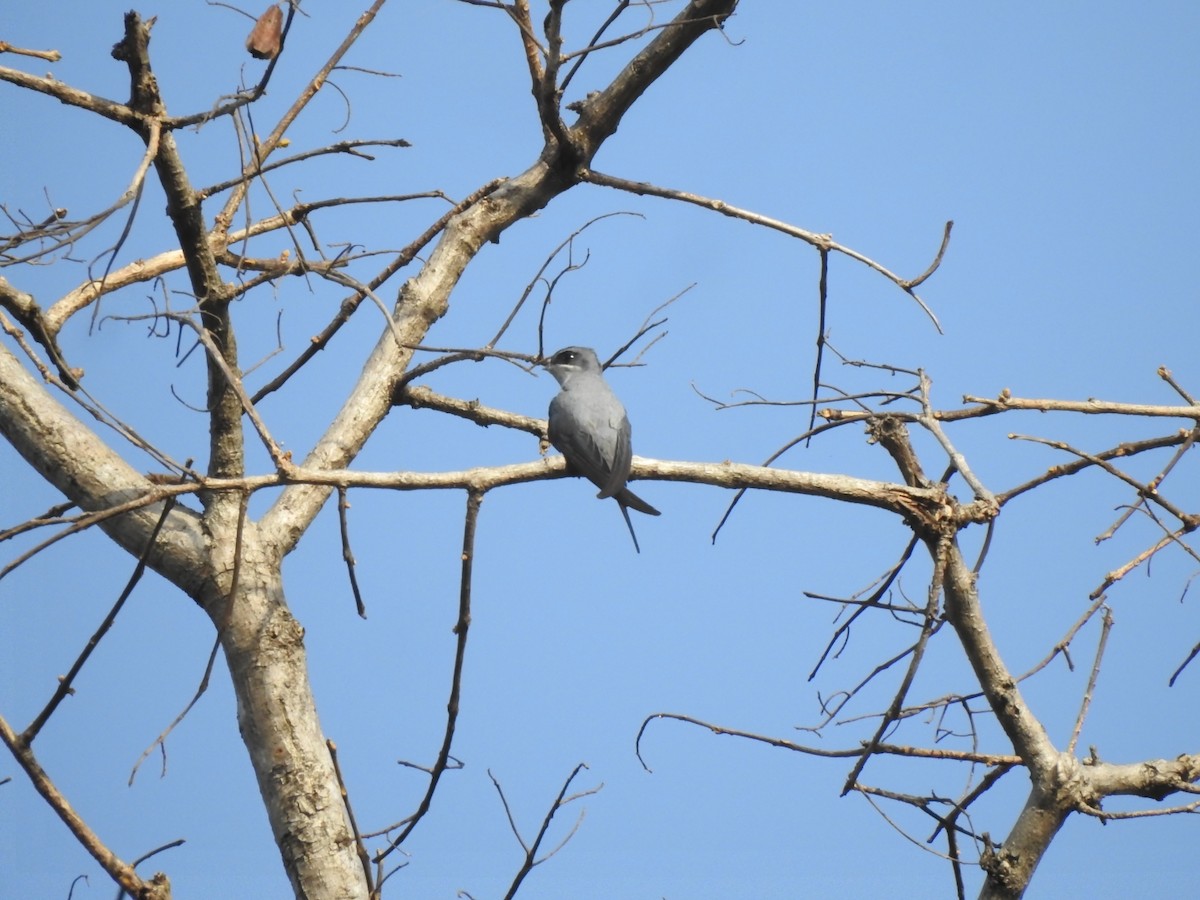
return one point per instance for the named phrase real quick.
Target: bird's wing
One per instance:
(622, 459)
(574, 439)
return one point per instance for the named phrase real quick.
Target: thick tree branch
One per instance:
(264, 649)
(896, 498)
(87, 471)
(964, 613)
(226, 444)
(601, 112)
(63, 93)
(1089, 407)
(25, 310)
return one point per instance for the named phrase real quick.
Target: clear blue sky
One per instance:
(1061, 138)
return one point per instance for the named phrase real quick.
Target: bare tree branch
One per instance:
(157, 888)
(461, 627)
(531, 849)
(822, 242)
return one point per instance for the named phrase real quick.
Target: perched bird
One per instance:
(589, 427)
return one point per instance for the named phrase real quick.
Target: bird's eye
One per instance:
(565, 356)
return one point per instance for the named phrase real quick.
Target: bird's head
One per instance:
(571, 361)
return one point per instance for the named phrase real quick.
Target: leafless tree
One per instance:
(191, 523)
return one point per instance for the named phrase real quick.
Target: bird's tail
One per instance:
(626, 497)
(629, 522)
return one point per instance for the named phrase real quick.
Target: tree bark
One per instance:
(277, 716)
(1010, 867)
(92, 475)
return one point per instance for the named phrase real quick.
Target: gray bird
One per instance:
(589, 427)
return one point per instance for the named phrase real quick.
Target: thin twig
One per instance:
(359, 849)
(822, 304)
(1063, 470)
(929, 626)
(347, 307)
(120, 871)
(314, 85)
(931, 423)
(347, 553)
(281, 459)
(1089, 691)
(132, 195)
(885, 585)
(820, 241)
(987, 759)
(1143, 490)
(567, 244)
(170, 845)
(65, 682)
(461, 627)
(161, 740)
(531, 850)
(47, 55)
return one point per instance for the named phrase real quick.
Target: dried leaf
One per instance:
(266, 38)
